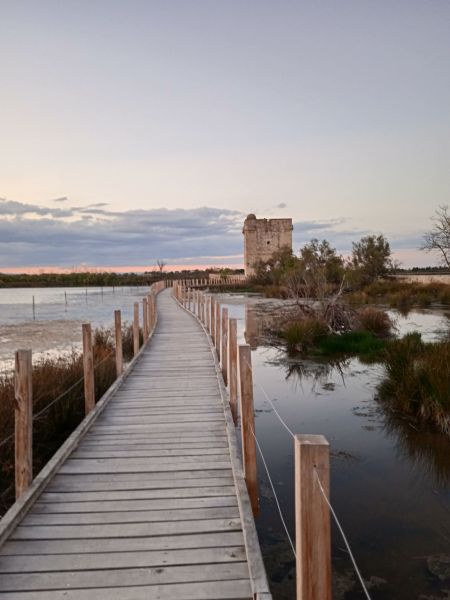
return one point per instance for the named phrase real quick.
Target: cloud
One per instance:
(281, 205)
(62, 199)
(33, 235)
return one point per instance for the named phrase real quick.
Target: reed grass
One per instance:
(402, 295)
(417, 379)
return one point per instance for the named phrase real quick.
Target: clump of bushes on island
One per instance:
(52, 377)
(327, 318)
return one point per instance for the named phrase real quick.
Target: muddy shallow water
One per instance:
(59, 313)
(390, 484)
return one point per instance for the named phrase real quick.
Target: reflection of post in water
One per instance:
(251, 327)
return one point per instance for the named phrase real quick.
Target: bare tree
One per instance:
(438, 239)
(161, 264)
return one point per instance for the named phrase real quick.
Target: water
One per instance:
(390, 484)
(56, 328)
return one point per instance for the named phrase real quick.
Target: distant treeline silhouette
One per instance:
(96, 279)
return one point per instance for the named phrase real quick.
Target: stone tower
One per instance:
(263, 237)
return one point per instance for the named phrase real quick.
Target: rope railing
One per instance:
(283, 520)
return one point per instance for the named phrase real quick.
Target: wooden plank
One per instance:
(129, 516)
(123, 577)
(216, 590)
(182, 487)
(125, 531)
(140, 494)
(122, 465)
(131, 504)
(146, 453)
(105, 545)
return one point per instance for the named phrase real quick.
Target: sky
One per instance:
(146, 129)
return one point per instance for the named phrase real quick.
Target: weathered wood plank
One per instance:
(158, 488)
(222, 491)
(118, 577)
(105, 545)
(120, 560)
(124, 531)
(136, 465)
(129, 516)
(130, 504)
(216, 590)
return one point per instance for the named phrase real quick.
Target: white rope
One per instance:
(363, 585)
(288, 429)
(274, 493)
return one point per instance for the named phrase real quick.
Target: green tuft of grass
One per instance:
(351, 343)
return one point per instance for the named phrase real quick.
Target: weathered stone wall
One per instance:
(263, 237)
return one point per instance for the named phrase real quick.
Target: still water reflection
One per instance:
(390, 484)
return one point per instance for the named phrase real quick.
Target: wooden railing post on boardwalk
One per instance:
(145, 317)
(312, 517)
(248, 425)
(208, 314)
(218, 326)
(212, 328)
(118, 335)
(23, 416)
(224, 342)
(136, 328)
(232, 367)
(149, 313)
(88, 369)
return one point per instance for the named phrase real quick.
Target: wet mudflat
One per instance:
(390, 482)
(56, 326)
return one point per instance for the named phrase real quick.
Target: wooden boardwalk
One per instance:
(149, 502)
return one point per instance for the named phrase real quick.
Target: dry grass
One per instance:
(375, 321)
(402, 295)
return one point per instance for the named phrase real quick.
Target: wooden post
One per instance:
(248, 425)
(208, 313)
(218, 325)
(202, 307)
(145, 317)
(136, 328)
(212, 329)
(118, 332)
(149, 313)
(153, 310)
(88, 369)
(232, 367)
(312, 518)
(224, 351)
(23, 416)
